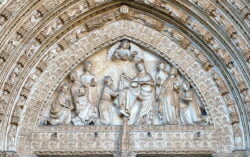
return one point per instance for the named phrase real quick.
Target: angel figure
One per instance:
(125, 51)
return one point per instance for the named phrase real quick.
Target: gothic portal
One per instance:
(124, 78)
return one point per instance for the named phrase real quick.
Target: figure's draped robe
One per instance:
(86, 80)
(190, 112)
(160, 78)
(109, 113)
(61, 110)
(170, 101)
(138, 99)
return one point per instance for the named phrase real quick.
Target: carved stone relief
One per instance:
(126, 81)
(183, 92)
(69, 58)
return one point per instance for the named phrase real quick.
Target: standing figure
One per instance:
(109, 114)
(84, 109)
(88, 80)
(169, 100)
(186, 98)
(161, 76)
(140, 96)
(190, 112)
(60, 111)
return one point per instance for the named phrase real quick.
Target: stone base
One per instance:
(233, 154)
(125, 154)
(14, 154)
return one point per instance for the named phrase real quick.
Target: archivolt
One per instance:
(168, 14)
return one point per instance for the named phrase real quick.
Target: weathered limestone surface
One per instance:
(124, 78)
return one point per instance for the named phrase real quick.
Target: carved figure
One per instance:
(238, 76)
(125, 51)
(35, 17)
(141, 96)
(86, 112)
(88, 80)
(15, 73)
(108, 111)
(84, 109)
(169, 100)
(12, 136)
(137, 98)
(60, 112)
(160, 78)
(190, 112)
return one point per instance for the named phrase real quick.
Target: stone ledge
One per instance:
(165, 128)
(239, 153)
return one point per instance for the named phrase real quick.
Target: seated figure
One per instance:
(60, 111)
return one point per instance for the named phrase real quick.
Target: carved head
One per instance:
(140, 67)
(38, 14)
(164, 66)
(19, 66)
(64, 88)
(22, 98)
(161, 66)
(173, 71)
(87, 66)
(215, 76)
(186, 86)
(108, 81)
(125, 44)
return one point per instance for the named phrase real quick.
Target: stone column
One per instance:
(124, 139)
